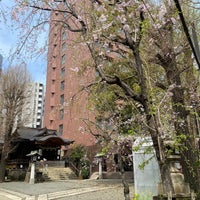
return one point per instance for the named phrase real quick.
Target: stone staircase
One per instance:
(57, 174)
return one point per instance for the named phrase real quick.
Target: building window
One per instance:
(61, 114)
(63, 72)
(62, 85)
(60, 131)
(52, 94)
(63, 47)
(62, 99)
(63, 59)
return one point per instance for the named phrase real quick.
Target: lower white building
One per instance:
(32, 111)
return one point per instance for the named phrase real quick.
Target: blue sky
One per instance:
(8, 42)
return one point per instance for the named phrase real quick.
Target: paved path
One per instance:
(70, 189)
(11, 195)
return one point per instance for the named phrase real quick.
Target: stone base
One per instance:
(32, 181)
(174, 197)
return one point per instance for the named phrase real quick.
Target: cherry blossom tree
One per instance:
(137, 34)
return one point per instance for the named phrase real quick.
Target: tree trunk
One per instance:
(159, 148)
(4, 157)
(6, 146)
(124, 181)
(158, 143)
(3, 166)
(188, 152)
(166, 178)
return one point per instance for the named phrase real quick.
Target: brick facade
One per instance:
(65, 106)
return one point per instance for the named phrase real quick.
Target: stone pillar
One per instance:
(100, 169)
(32, 176)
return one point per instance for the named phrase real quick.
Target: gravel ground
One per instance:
(112, 189)
(110, 194)
(3, 198)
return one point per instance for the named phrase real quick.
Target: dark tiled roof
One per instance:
(39, 135)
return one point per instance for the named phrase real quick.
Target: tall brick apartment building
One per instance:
(65, 60)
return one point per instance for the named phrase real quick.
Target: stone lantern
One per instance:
(33, 155)
(181, 188)
(99, 158)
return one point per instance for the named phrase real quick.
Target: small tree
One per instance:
(77, 159)
(14, 81)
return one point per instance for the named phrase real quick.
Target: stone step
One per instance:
(55, 174)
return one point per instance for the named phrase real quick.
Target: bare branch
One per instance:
(51, 9)
(69, 27)
(141, 28)
(71, 11)
(161, 85)
(103, 134)
(117, 81)
(84, 88)
(27, 36)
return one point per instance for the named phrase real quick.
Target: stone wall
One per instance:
(15, 174)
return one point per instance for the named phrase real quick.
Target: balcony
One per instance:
(40, 99)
